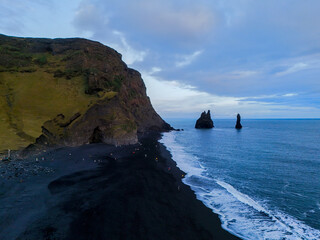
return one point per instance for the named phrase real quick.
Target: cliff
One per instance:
(70, 92)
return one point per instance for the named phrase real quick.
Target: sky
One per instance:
(257, 58)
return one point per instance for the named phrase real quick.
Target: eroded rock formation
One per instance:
(238, 124)
(204, 121)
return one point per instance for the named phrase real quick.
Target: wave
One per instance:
(241, 197)
(186, 162)
(240, 214)
(283, 226)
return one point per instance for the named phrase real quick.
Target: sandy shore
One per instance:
(102, 192)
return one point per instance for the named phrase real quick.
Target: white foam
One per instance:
(274, 225)
(240, 214)
(186, 162)
(241, 197)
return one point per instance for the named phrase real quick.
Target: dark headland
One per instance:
(66, 188)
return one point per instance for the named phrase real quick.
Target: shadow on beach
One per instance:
(102, 192)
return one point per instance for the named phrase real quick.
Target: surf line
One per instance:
(250, 202)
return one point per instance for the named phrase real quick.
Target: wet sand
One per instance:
(102, 192)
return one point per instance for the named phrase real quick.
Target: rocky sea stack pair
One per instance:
(205, 121)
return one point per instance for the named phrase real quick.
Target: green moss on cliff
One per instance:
(30, 99)
(129, 126)
(35, 87)
(70, 87)
(117, 82)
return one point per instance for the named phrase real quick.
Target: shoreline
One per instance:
(104, 192)
(215, 216)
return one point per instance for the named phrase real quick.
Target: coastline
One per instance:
(206, 216)
(104, 192)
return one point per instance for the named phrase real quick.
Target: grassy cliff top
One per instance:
(41, 78)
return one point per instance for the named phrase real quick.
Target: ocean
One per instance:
(262, 180)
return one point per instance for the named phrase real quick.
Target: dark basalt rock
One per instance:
(204, 121)
(97, 136)
(238, 124)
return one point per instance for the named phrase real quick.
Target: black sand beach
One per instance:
(102, 192)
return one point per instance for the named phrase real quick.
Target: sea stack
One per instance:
(238, 124)
(204, 121)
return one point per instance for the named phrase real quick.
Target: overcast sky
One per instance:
(258, 58)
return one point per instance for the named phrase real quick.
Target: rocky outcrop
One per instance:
(81, 88)
(204, 121)
(238, 124)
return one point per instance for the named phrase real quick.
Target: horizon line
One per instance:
(218, 118)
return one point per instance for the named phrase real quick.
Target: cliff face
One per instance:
(70, 92)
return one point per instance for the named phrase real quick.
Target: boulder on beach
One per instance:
(238, 124)
(204, 121)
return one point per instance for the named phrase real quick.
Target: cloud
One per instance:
(9, 21)
(294, 68)
(239, 74)
(180, 97)
(186, 100)
(89, 17)
(37, 18)
(12, 20)
(130, 55)
(291, 66)
(155, 70)
(188, 59)
(176, 23)
(91, 21)
(171, 20)
(246, 52)
(290, 95)
(286, 20)
(272, 96)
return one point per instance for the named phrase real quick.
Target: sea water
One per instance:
(262, 180)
